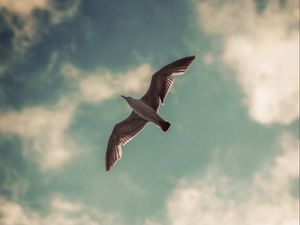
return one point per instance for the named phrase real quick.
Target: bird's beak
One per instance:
(123, 97)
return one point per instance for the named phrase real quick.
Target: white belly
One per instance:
(145, 111)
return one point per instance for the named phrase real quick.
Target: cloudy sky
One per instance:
(231, 156)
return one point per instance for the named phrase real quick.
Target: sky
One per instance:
(231, 155)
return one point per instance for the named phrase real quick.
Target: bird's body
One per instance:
(145, 109)
(146, 112)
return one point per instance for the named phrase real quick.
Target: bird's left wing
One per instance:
(163, 80)
(122, 133)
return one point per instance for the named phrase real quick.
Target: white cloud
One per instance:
(24, 8)
(95, 88)
(102, 84)
(60, 211)
(44, 130)
(70, 71)
(58, 15)
(215, 198)
(263, 49)
(26, 30)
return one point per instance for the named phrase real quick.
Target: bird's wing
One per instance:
(163, 80)
(122, 133)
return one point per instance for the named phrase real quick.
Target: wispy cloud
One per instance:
(263, 49)
(95, 88)
(11, 183)
(21, 19)
(44, 129)
(266, 198)
(43, 132)
(22, 8)
(58, 211)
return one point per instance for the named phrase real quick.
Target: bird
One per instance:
(144, 110)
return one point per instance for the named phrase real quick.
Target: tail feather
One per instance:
(165, 125)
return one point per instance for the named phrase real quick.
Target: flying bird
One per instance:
(145, 109)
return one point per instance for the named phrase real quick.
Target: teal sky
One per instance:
(231, 153)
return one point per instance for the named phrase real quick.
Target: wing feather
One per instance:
(163, 80)
(126, 130)
(122, 133)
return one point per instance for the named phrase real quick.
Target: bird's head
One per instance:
(126, 98)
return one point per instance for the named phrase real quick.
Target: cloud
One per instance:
(102, 84)
(43, 132)
(263, 49)
(266, 199)
(24, 25)
(11, 183)
(44, 129)
(23, 8)
(58, 15)
(60, 211)
(95, 88)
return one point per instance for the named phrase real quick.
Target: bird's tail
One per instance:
(164, 125)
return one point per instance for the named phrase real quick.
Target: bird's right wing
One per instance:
(163, 80)
(122, 133)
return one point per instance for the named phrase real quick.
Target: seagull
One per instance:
(144, 110)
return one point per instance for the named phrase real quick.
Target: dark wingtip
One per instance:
(165, 126)
(107, 168)
(190, 58)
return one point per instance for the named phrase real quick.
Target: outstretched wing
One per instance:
(122, 133)
(163, 80)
